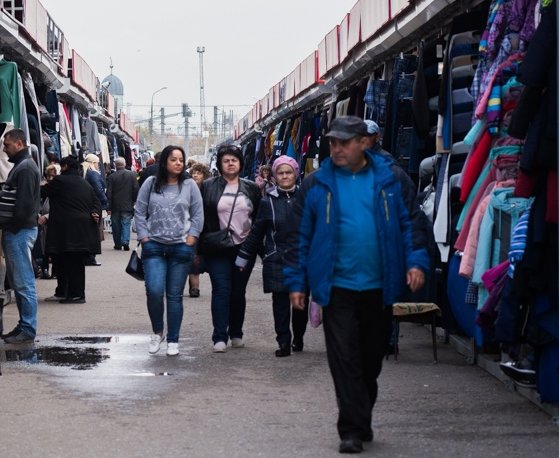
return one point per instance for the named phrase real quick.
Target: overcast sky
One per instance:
(250, 46)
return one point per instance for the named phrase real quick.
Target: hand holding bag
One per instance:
(214, 242)
(135, 266)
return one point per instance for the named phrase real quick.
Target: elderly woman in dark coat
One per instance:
(272, 222)
(73, 233)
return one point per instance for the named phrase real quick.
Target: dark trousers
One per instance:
(228, 295)
(357, 328)
(283, 314)
(70, 275)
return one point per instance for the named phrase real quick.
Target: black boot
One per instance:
(297, 345)
(284, 350)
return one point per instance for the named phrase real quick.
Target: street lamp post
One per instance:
(151, 110)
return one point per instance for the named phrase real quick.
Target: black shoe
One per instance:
(297, 345)
(194, 292)
(117, 247)
(20, 337)
(283, 350)
(12, 333)
(126, 247)
(368, 437)
(45, 275)
(351, 445)
(522, 376)
(92, 263)
(72, 300)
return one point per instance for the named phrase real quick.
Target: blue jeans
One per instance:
(120, 223)
(228, 295)
(17, 250)
(166, 268)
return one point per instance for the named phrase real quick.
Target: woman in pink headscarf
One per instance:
(272, 221)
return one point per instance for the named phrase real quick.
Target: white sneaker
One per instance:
(172, 349)
(155, 343)
(53, 298)
(237, 342)
(220, 347)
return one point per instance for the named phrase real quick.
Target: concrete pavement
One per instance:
(244, 403)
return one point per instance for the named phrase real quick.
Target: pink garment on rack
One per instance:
(468, 260)
(482, 105)
(476, 162)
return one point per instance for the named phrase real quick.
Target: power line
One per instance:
(179, 106)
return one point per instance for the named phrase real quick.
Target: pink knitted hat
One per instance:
(282, 160)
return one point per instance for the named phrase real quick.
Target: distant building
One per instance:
(116, 89)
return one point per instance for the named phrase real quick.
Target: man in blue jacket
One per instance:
(358, 247)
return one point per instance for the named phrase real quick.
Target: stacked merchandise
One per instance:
(506, 247)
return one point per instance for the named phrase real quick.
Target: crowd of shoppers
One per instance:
(348, 236)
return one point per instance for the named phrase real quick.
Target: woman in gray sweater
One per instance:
(169, 218)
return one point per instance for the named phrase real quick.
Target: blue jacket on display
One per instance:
(313, 241)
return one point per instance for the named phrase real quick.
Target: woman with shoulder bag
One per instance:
(230, 204)
(169, 219)
(272, 224)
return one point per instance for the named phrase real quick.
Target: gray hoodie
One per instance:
(170, 216)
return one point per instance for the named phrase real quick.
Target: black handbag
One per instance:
(135, 266)
(218, 241)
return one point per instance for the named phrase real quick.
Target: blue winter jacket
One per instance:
(313, 242)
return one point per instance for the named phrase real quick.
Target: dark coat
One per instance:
(71, 228)
(272, 222)
(96, 182)
(122, 190)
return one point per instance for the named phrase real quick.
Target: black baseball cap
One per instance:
(346, 127)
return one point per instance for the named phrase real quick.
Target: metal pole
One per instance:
(186, 139)
(151, 110)
(201, 50)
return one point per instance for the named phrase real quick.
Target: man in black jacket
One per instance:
(122, 189)
(19, 208)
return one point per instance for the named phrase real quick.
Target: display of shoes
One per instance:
(194, 292)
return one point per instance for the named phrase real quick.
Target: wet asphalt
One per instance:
(88, 387)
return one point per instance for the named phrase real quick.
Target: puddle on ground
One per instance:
(76, 358)
(103, 366)
(151, 374)
(89, 340)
